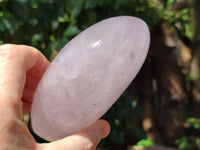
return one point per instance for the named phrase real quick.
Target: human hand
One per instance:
(21, 68)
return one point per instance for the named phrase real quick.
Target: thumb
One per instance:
(86, 139)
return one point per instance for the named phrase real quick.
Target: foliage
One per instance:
(190, 141)
(183, 143)
(50, 24)
(122, 121)
(145, 143)
(194, 123)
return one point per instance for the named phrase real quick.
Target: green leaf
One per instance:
(197, 142)
(59, 43)
(74, 7)
(2, 25)
(117, 122)
(54, 24)
(134, 104)
(71, 31)
(18, 11)
(145, 143)
(10, 25)
(3, 1)
(194, 123)
(63, 18)
(1, 13)
(183, 143)
(36, 38)
(90, 4)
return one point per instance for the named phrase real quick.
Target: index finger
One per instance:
(15, 61)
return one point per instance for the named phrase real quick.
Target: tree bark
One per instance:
(149, 119)
(166, 58)
(195, 63)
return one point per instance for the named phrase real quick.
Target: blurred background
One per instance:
(161, 108)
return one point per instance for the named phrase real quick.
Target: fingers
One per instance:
(86, 139)
(28, 94)
(15, 61)
(27, 99)
(26, 107)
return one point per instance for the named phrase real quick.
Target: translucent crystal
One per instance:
(88, 76)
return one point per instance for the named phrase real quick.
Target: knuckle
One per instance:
(8, 51)
(8, 46)
(88, 145)
(84, 143)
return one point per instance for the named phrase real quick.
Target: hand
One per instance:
(21, 68)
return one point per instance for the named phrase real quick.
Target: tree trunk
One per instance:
(195, 63)
(167, 62)
(149, 120)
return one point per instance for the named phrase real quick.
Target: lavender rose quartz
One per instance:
(88, 76)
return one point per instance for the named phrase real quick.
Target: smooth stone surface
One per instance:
(88, 76)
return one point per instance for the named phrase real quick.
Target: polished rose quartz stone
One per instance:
(88, 76)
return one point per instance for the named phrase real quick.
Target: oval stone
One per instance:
(88, 75)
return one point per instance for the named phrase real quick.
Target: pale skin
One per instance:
(21, 68)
